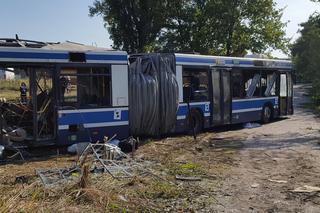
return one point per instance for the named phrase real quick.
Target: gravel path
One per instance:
(276, 159)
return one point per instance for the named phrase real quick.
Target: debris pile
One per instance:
(10, 136)
(100, 158)
(54, 177)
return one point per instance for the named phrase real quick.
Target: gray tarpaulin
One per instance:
(153, 94)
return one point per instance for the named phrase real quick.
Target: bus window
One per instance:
(195, 85)
(237, 84)
(271, 85)
(283, 85)
(290, 85)
(263, 83)
(85, 87)
(69, 87)
(94, 88)
(252, 83)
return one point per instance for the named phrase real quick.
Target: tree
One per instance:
(220, 27)
(306, 54)
(226, 27)
(133, 25)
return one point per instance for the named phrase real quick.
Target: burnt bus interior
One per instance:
(222, 85)
(32, 111)
(85, 87)
(30, 115)
(264, 83)
(50, 88)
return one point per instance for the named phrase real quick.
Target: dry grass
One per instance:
(101, 193)
(13, 85)
(10, 89)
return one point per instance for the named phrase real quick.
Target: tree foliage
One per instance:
(225, 27)
(221, 27)
(306, 54)
(133, 25)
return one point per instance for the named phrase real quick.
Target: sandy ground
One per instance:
(276, 158)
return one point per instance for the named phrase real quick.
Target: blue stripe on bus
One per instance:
(246, 62)
(91, 117)
(60, 56)
(251, 104)
(195, 60)
(96, 134)
(107, 57)
(183, 109)
(229, 62)
(32, 55)
(239, 105)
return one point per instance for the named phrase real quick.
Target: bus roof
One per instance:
(203, 60)
(67, 52)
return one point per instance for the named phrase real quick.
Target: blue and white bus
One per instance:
(75, 93)
(228, 90)
(78, 93)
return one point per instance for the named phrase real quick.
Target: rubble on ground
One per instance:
(101, 158)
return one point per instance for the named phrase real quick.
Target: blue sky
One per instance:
(60, 20)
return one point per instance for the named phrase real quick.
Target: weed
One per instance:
(162, 190)
(113, 207)
(187, 169)
(37, 194)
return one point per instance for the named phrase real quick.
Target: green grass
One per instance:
(187, 169)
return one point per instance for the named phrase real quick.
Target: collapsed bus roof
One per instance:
(24, 51)
(203, 60)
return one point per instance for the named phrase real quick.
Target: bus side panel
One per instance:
(180, 82)
(182, 115)
(76, 126)
(119, 85)
(247, 110)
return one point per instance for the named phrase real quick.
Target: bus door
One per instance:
(286, 94)
(221, 96)
(44, 101)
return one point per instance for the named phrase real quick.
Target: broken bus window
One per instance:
(85, 87)
(195, 84)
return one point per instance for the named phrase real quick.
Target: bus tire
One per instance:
(195, 120)
(267, 113)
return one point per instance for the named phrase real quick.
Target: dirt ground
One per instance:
(285, 151)
(241, 170)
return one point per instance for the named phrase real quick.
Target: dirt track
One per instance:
(276, 158)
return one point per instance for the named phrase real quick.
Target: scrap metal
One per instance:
(102, 158)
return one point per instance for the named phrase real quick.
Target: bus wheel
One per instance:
(266, 114)
(195, 121)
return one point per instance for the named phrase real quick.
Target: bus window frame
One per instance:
(242, 84)
(261, 70)
(204, 68)
(59, 67)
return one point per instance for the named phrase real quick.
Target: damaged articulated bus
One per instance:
(206, 91)
(66, 93)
